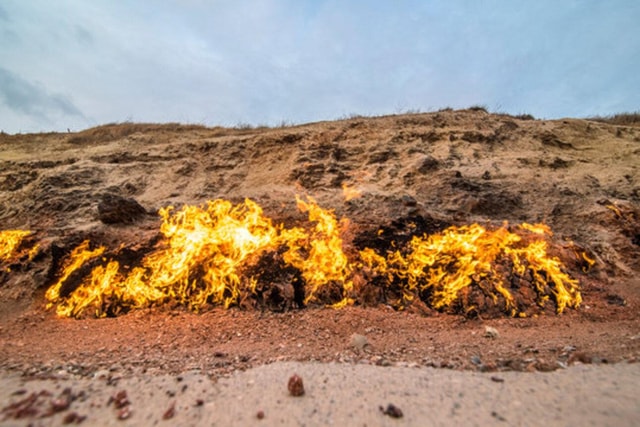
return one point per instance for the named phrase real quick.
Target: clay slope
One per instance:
(451, 167)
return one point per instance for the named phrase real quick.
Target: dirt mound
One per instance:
(394, 178)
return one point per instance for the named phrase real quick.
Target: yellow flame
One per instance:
(205, 252)
(445, 263)
(77, 258)
(350, 193)
(537, 228)
(615, 209)
(325, 261)
(10, 241)
(590, 261)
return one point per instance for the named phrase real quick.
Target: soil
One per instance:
(580, 177)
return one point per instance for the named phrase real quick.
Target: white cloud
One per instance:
(264, 61)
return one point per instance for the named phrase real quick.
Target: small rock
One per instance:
(73, 417)
(488, 367)
(119, 400)
(359, 342)
(63, 402)
(383, 362)
(408, 200)
(498, 416)
(296, 387)
(102, 374)
(581, 357)
(490, 332)
(124, 413)
(170, 412)
(392, 410)
(545, 366)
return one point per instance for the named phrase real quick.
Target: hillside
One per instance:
(388, 180)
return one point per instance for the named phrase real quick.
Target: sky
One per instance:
(75, 64)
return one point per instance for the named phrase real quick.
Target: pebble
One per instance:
(392, 410)
(359, 342)
(295, 386)
(102, 374)
(490, 332)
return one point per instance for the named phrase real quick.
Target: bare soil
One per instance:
(580, 177)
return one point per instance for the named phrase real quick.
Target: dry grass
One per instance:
(620, 119)
(114, 131)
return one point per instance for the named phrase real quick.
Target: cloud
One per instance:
(4, 16)
(30, 99)
(264, 61)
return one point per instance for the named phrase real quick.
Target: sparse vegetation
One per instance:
(524, 117)
(113, 131)
(482, 108)
(620, 119)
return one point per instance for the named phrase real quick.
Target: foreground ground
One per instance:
(451, 167)
(339, 394)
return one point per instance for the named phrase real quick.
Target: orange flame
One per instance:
(10, 241)
(206, 250)
(12, 247)
(326, 261)
(447, 262)
(350, 193)
(202, 258)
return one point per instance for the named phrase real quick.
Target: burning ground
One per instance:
(216, 249)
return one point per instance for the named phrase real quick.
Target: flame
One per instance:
(10, 241)
(205, 252)
(326, 261)
(78, 257)
(445, 263)
(350, 193)
(13, 249)
(537, 228)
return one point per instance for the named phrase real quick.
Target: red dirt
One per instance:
(462, 166)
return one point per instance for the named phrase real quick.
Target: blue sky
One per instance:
(78, 63)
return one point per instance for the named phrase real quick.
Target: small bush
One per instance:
(482, 108)
(524, 117)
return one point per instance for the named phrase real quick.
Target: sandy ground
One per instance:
(580, 177)
(339, 394)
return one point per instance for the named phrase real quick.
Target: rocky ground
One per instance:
(447, 168)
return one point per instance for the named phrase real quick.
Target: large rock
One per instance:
(113, 209)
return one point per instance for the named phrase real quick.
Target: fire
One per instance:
(326, 261)
(206, 252)
(11, 242)
(444, 264)
(78, 257)
(202, 257)
(350, 193)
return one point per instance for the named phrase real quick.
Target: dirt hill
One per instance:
(393, 177)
